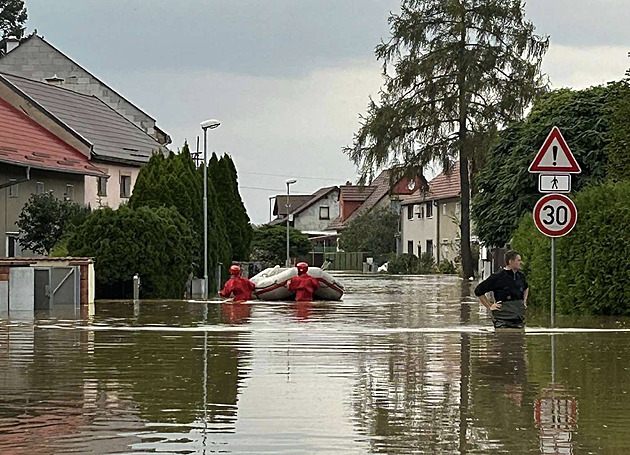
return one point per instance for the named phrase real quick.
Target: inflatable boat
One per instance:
(271, 284)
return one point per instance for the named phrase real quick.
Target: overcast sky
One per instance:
(287, 78)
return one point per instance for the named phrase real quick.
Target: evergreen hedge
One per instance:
(592, 276)
(153, 242)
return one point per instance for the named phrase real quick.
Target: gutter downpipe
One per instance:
(437, 230)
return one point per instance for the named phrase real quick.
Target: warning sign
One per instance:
(555, 156)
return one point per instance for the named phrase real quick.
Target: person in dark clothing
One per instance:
(510, 290)
(303, 285)
(238, 286)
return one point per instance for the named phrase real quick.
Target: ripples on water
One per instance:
(402, 365)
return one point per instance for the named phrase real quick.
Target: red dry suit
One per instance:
(303, 285)
(241, 288)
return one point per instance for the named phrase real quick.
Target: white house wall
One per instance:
(308, 220)
(418, 230)
(113, 198)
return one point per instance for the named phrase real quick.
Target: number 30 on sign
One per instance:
(555, 215)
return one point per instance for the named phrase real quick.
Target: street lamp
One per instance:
(206, 125)
(288, 182)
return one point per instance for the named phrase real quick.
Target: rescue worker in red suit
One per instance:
(238, 286)
(303, 285)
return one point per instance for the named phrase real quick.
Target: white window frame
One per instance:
(39, 185)
(124, 195)
(69, 192)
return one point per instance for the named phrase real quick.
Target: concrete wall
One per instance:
(36, 59)
(308, 220)
(21, 290)
(11, 207)
(113, 199)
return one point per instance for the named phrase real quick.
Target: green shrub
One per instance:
(447, 267)
(156, 243)
(410, 264)
(591, 275)
(269, 244)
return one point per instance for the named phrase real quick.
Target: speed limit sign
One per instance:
(555, 215)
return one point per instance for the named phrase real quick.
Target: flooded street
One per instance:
(402, 365)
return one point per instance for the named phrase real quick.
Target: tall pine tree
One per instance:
(174, 181)
(454, 70)
(224, 179)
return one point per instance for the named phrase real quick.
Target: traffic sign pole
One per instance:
(554, 214)
(553, 281)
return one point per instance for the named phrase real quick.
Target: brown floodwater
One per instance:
(402, 365)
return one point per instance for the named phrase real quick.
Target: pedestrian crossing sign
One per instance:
(552, 183)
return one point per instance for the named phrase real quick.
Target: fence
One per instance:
(339, 260)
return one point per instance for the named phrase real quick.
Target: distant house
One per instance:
(36, 59)
(310, 214)
(355, 200)
(430, 219)
(38, 153)
(117, 146)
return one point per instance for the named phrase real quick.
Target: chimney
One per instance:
(55, 80)
(10, 44)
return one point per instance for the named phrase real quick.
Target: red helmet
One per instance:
(235, 270)
(302, 267)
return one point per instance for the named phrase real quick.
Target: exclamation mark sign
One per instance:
(555, 154)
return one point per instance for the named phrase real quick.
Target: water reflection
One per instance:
(401, 365)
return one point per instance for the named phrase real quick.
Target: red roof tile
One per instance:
(443, 186)
(24, 142)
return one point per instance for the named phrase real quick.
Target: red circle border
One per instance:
(572, 208)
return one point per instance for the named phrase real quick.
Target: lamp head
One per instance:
(210, 124)
(290, 181)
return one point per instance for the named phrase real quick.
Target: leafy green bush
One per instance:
(45, 220)
(156, 243)
(591, 275)
(410, 264)
(374, 231)
(447, 267)
(269, 244)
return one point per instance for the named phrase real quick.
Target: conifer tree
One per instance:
(453, 71)
(224, 179)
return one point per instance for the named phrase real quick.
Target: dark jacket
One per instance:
(505, 284)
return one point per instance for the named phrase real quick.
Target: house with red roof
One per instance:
(430, 218)
(311, 214)
(38, 153)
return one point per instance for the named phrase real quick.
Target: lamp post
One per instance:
(288, 182)
(206, 125)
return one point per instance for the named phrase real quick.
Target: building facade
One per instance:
(430, 219)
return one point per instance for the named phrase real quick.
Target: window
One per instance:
(324, 212)
(420, 212)
(419, 250)
(125, 186)
(410, 212)
(13, 245)
(13, 189)
(429, 212)
(430, 246)
(443, 209)
(458, 207)
(410, 246)
(69, 193)
(39, 188)
(101, 189)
